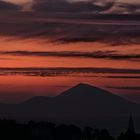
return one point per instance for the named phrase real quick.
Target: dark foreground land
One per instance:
(10, 129)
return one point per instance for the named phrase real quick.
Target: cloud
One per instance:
(123, 8)
(71, 6)
(129, 1)
(19, 1)
(62, 71)
(96, 54)
(91, 6)
(123, 77)
(8, 6)
(1, 58)
(67, 28)
(126, 88)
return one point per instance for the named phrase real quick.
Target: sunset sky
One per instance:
(23, 1)
(43, 54)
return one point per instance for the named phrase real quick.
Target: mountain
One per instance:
(36, 100)
(82, 104)
(82, 100)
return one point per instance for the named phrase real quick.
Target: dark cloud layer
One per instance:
(93, 6)
(64, 71)
(96, 54)
(72, 28)
(123, 77)
(66, 6)
(8, 6)
(126, 88)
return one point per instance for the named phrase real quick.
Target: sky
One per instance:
(96, 6)
(24, 1)
(54, 73)
(45, 54)
(18, 1)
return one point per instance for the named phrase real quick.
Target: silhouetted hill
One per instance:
(85, 100)
(82, 104)
(36, 100)
(80, 101)
(85, 91)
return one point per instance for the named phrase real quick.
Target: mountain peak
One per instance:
(86, 86)
(83, 85)
(84, 92)
(83, 89)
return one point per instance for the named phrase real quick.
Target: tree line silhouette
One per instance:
(10, 129)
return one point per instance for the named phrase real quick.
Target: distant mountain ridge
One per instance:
(82, 104)
(76, 92)
(37, 99)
